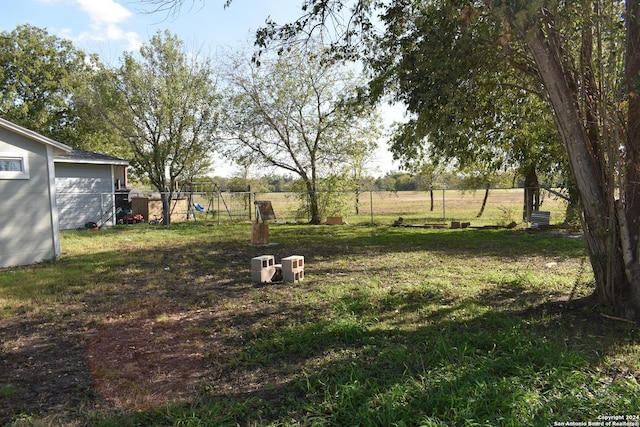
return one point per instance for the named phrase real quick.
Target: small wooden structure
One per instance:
(334, 220)
(260, 229)
(151, 208)
(259, 234)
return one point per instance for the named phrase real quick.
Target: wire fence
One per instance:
(440, 207)
(498, 207)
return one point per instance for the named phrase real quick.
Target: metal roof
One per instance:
(77, 155)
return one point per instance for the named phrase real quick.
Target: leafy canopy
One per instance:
(39, 76)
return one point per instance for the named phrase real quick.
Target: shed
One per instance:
(87, 187)
(29, 228)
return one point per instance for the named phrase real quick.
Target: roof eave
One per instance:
(92, 162)
(34, 135)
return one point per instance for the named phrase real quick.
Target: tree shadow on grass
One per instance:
(410, 355)
(44, 368)
(287, 361)
(499, 243)
(493, 369)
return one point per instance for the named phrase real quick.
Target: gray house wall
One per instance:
(28, 213)
(84, 194)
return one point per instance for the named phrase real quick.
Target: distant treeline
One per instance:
(393, 181)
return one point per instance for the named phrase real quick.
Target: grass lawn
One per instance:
(142, 325)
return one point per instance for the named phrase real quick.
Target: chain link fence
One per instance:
(438, 207)
(498, 207)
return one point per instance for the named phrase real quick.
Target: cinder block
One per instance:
(262, 268)
(263, 276)
(263, 261)
(293, 276)
(293, 268)
(292, 263)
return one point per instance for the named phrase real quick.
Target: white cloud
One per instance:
(103, 12)
(106, 19)
(134, 42)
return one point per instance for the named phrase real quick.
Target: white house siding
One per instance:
(84, 194)
(28, 216)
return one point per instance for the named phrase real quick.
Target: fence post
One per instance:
(444, 208)
(371, 205)
(249, 207)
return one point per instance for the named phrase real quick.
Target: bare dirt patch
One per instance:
(153, 336)
(145, 362)
(42, 367)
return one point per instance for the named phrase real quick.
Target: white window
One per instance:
(14, 166)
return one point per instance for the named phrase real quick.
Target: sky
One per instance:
(109, 28)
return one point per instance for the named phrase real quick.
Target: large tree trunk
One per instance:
(531, 193)
(631, 200)
(431, 198)
(484, 200)
(166, 197)
(632, 190)
(314, 209)
(600, 226)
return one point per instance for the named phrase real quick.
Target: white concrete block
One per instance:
(293, 268)
(292, 263)
(264, 275)
(263, 268)
(293, 276)
(263, 261)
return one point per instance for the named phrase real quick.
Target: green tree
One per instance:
(164, 104)
(581, 57)
(355, 171)
(442, 58)
(294, 113)
(40, 75)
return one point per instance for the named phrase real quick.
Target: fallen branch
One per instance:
(621, 319)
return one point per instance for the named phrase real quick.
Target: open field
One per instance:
(143, 325)
(384, 207)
